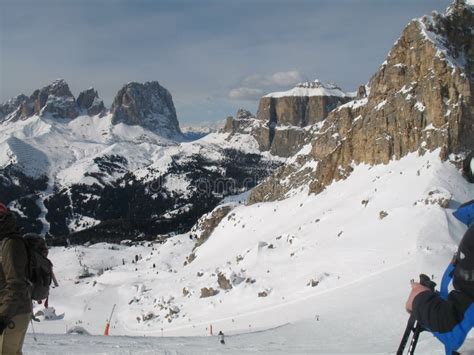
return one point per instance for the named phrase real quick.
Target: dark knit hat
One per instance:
(3, 208)
(463, 278)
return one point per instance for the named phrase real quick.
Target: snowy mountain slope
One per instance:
(67, 175)
(327, 253)
(326, 272)
(44, 146)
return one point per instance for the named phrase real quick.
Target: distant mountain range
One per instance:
(75, 170)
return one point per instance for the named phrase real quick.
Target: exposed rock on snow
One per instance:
(223, 282)
(148, 105)
(77, 330)
(438, 196)
(89, 101)
(208, 292)
(383, 214)
(55, 99)
(12, 108)
(206, 224)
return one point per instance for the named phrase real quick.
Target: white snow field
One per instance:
(335, 274)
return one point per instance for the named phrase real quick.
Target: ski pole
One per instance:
(33, 329)
(408, 329)
(413, 325)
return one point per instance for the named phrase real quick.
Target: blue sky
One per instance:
(213, 55)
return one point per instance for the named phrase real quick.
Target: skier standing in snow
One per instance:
(220, 336)
(15, 298)
(449, 317)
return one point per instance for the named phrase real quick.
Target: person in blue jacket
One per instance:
(450, 315)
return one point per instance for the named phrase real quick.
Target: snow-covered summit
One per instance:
(312, 88)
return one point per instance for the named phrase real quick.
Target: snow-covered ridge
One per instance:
(313, 88)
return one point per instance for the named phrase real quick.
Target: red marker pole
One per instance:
(107, 325)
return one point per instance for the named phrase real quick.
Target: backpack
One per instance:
(40, 268)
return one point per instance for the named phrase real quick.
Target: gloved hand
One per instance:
(416, 289)
(4, 323)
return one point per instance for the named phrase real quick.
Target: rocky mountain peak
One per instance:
(149, 105)
(420, 99)
(89, 101)
(10, 109)
(459, 7)
(54, 99)
(243, 114)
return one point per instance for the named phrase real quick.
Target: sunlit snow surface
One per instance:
(362, 263)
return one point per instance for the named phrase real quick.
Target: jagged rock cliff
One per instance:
(88, 101)
(301, 106)
(420, 99)
(55, 99)
(149, 105)
(283, 117)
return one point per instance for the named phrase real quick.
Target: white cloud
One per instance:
(283, 78)
(254, 86)
(286, 78)
(246, 94)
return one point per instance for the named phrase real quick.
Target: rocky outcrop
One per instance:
(88, 101)
(242, 121)
(148, 105)
(12, 108)
(223, 282)
(203, 229)
(279, 141)
(55, 99)
(282, 117)
(208, 292)
(419, 100)
(303, 105)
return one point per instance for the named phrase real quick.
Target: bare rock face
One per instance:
(55, 99)
(208, 292)
(206, 224)
(282, 117)
(242, 123)
(148, 105)
(11, 110)
(304, 105)
(223, 282)
(420, 100)
(88, 101)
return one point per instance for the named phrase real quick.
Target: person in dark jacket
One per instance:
(15, 298)
(449, 316)
(220, 336)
